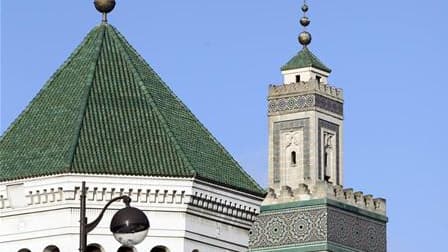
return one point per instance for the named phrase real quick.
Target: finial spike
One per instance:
(304, 36)
(104, 6)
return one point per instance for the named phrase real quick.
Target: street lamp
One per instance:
(129, 225)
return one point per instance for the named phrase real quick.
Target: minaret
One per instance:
(305, 122)
(307, 208)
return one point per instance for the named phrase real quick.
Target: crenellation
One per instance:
(349, 197)
(369, 201)
(286, 193)
(322, 189)
(339, 192)
(380, 205)
(29, 198)
(302, 192)
(37, 197)
(52, 195)
(359, 199)
(305, 87)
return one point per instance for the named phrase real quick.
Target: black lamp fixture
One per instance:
(129, 225)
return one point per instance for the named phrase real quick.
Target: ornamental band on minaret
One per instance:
(307, 208)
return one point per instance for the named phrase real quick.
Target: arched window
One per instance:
(51, 248)
(94, 248)
(160, 249)
(293, 158)
(126, 249)
(195, 250)
(24, 250)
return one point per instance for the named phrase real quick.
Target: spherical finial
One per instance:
(104, 6)
(305, 38)
(305, 21)
(305, 8)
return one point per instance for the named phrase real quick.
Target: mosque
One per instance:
(106, 120)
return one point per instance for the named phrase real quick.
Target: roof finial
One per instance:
(104, 6)
(304, 36)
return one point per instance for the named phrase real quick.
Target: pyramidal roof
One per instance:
(305, 58)
(105, 111)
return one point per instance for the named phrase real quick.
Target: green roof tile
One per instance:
(305, 58)
(106, 111)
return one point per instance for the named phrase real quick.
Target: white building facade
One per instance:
(184, 214)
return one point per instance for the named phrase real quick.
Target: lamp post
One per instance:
(129, 225)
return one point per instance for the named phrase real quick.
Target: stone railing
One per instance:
(326, 190)
(304, 87)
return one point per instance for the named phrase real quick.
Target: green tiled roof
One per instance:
(105, 111)
(305, 58)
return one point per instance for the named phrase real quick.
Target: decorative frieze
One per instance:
(303, 103)
(223, 206)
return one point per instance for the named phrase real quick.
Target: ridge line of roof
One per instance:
(150, 98)
(99, 41)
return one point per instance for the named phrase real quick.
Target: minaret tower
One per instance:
(305, 122)
(307, 208)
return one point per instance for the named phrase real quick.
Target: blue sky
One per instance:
(220, 56)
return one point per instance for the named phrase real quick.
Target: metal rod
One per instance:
(84, 226)
(83, 220)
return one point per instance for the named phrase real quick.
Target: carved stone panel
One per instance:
(325, 125)
(294, 125)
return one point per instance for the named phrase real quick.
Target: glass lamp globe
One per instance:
(129, 226)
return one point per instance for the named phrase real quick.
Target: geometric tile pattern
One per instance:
(291, 125)
(289, 228)
(321, 224)
(304, 103)
(355, 231)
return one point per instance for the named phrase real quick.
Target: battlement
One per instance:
(324, 189)
(305, 87)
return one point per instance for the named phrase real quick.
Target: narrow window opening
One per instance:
(326, 177)
(297, 78)
(293, 158)
(160, 249)
(51, 248)
(318, 78)
(125, 249)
